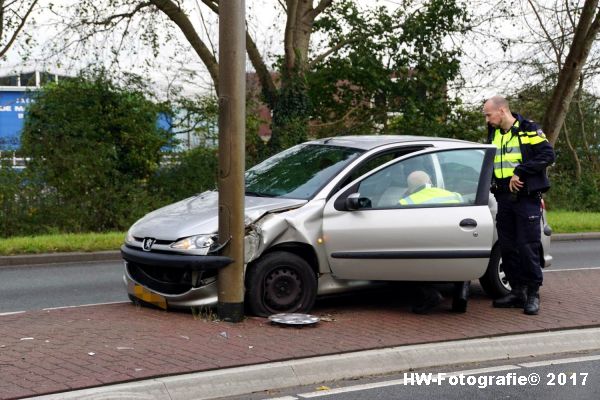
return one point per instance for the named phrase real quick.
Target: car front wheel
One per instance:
(494, 281)
(280, 282)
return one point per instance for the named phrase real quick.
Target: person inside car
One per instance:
(421, 191)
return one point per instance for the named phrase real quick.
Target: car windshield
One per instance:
(298, 172)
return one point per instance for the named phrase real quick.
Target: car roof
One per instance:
(368, 142)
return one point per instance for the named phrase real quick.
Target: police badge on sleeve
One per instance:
(540, 133)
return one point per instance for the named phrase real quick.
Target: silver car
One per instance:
(325, 217)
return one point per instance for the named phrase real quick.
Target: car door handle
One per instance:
(468, 222)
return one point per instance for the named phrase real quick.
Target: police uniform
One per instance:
(427, 194)
(523, 151)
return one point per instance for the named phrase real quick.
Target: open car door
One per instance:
(370, 235)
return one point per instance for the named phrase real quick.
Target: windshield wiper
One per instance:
(256, 194)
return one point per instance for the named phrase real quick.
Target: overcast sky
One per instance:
(266, 21)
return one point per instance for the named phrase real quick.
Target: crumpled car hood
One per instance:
(199, 215)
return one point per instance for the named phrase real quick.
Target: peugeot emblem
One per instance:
(147, 243)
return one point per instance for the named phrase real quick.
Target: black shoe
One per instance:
(515, 299)
(431, 299)
(461, 297)
(532, 306)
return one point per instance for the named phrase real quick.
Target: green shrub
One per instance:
(93, 147)
(189, 173)
(568, 194)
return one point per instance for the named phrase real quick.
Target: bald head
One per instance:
(497, 113)
(499, 102)
(416, 179)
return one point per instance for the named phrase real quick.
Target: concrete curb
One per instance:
(576, 236)
(56, 258)
(309, 371)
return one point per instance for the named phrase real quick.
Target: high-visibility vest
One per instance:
(432, 195)
(508, 149)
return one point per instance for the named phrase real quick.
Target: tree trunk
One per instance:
(585, 34)
(587, 148)
(574, 152)
(291, 108)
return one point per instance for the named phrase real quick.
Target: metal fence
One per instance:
(10, 159)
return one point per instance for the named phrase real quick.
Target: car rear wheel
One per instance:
(494, 282)
(280, 282)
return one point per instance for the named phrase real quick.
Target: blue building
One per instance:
(15, 95)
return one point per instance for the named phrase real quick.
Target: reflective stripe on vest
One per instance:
(508, 153)
(432, 195)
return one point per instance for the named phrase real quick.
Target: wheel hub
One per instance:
(283, 288)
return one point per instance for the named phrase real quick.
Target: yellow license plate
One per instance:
(149, 297)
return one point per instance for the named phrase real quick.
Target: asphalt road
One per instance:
(63, 285)
(575, 254)
(568, 376)
(60, 285)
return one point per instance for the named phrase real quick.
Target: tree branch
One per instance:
(332, 50)
(556, 51)
(213, 5)
(120, 17)
(323, 4)
(594, 28)
(178, 16)
(266, 80)
(282, 4)
(16, 32)
(212, 46)
(290, 28)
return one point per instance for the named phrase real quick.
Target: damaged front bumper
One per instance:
(175, 280)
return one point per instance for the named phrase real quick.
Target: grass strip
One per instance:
(58, 243)
(561, 222)
(573, 221)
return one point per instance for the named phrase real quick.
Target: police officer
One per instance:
(421, 191)
(519, 179)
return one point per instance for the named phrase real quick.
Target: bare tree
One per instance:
(585, 33)
(117, 15)
(13, 16)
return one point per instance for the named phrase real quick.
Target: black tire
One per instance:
(494, 282)
(280, 282)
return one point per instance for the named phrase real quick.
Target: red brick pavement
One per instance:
(58, 350)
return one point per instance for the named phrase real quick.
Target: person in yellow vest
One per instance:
(522, 155)
(421, 191)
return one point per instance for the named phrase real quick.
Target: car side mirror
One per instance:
(355, 202)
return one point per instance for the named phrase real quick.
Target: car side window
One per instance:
(374, 162)
(446, 178)
(460, 172)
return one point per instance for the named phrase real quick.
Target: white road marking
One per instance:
(395, 382)
(12, 313)
(375, 385)
(560, 361)
(84, 305)
(63, 307)
(570, 269)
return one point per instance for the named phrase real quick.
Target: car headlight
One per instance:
(129, 239)
(199, 242)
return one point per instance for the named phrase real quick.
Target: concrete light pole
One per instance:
(232, 128)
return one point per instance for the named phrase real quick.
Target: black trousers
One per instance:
(519, 235)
